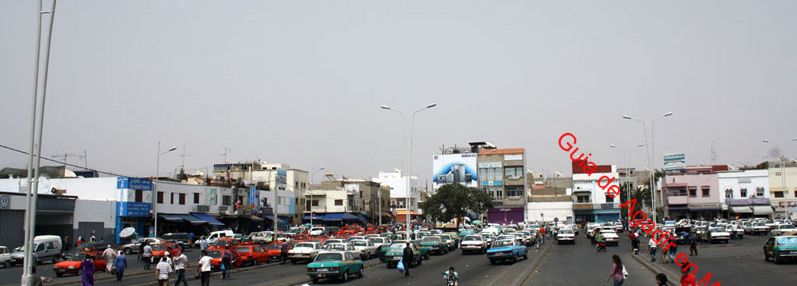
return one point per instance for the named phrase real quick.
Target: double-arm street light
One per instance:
(157, 177)
(409, 159)
(312, 177)
(625, 163)
(650, 154)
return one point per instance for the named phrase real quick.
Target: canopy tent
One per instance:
(742, 210)
(208, 218)
(762, 210)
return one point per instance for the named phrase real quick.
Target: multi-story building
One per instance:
(342, 200)
(692, 192)
(398, 185)
(549, 199)
(744, 193)
(590, 202)
(503, 176)
(783, 188)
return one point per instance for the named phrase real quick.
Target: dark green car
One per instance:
(435, 244)
(395, 254)
(424, 250)
(780, 248)
(335, 264)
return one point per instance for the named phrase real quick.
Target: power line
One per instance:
(62, 162)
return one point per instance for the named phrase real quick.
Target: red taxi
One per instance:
(215, 262)
(71, 264)
(250, 254)
(275, 249)
(158, 250)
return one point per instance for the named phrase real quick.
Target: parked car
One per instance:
(434, 244)
(473, 243)
(133, 246)
(396, 251)
(262, 236)
(365, 247)
(718, 234)
(274, 249)
(701, 233)
(780, 248)
(251, 254)
(735, 231)
(316, 231)
(45, 248)
(506, 250)
(304, 251)
(72, 262)
(335, 264)
(381, 244)
(781, 229)
(332, 240)
(159, 250)
(215, 261)
(342, 246)
(565, 236)
(758, 228)
(5, 257)
(180, 238)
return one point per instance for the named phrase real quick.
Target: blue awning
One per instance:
(333, 217)
(193, 219)
(208, 218)
(348, 216)
(315, 217)
(171, 218)
(269, 217)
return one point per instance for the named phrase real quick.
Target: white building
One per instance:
(744, 193)
(590, 200)
(549, 211)
(398, 185)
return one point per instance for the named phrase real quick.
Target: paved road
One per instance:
(740, 262)
(581, 264)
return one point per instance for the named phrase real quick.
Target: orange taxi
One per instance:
(158, 250)
(215, 262)
(71, 264)
(250, 254)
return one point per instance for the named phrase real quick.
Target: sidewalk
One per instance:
(658, 267)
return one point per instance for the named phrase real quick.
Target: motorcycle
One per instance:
(600, 246)
(452, 280)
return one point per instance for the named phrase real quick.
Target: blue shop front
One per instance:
(133, 209)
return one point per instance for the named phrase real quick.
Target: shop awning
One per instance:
(762, 210)
(269, 217)
(333, 217)
(404, 212)
(192, 219)
(348, 216)
(171, 218)
(742, 210)
(315, 217)
(208, 218)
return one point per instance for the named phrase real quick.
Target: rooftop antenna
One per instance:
(182, 164)
(713, 153)
(65, 156)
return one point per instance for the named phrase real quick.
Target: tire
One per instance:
(293, 261)
(58, 274)
(254, 262)
(526, 256)
(778, 260)
(514, 259)
(766, 257)
(345, 276)
(315, 280)
(360, 273)
(420, 261)
(492, 262)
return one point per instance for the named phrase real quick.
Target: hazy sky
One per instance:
(300, 82)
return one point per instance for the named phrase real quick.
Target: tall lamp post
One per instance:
(409, 159)
(157, 177)
(650, 155)
(312, 178)
(625, 163)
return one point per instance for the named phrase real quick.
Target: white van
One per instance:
(217, 234)
(45, 248)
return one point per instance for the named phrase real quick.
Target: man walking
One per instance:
(203, 243)
(146, 255)
(284, 252)
(109, 255)
(693, 244)
(407, 257)
(652, 245)
(180, 265)
(121, 265)
(203, 268)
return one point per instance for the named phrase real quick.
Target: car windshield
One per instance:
(715, 229)
(607, 231)
(758, 224)
(787, 240)
(786, 226)
(158, 247)
(377, 240)
(338, 246)
(431, 239)
(329, 257)
(308, 245)
(501, 243)
(242, 249)
(398, 245)
(472, 238)
(214, 254)
(565, 231)
(359, 243)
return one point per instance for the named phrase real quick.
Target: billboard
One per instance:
(674, 161)
(454, 169)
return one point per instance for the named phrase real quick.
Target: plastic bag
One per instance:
(400, 266)
(625, 273)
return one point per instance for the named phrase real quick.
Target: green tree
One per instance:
(454, 201)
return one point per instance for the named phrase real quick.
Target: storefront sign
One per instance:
(143, 184)
(133, 209)
(5, 202)
(513, 157)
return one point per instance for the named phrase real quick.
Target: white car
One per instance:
(473, 243)
(356, 237)
(367, 248)
(331, 241)
(781, 229)
(610, 236)
(758, 227)
(566, 236)
(716, 233)
(5, 257)
(316, 231)
(347, 247)
(304, 251)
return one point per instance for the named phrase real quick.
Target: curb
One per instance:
(543, 254)
(655, 269)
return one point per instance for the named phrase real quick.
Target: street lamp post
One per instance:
(312, 177)
(650, 156)
(409, 159)
(157, 177)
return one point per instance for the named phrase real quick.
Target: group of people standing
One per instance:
(115, 263)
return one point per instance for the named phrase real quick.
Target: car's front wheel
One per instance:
(360, 272)
(345, 276)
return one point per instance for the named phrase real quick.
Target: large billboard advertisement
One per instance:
(674, 161)
(454, 169)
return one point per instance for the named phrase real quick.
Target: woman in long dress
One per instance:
(87, 267)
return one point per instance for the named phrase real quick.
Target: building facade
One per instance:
(549, 199)
(691, 193)
(783, 188)
(397, 185)
(744, 193)
(590, 202)
(503, 176)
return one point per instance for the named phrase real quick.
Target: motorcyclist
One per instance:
(451, 277)
(599, 241)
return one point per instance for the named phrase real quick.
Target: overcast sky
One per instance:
(300, 82)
